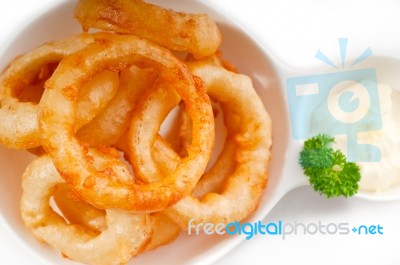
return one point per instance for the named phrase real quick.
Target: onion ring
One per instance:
(108, 126)
(33, 92)
(126, 233)
(196, 34)
(19, 121)
(214, 178)
(164, 231)
(79, 212)
(92, 100)
(56, 123)
(184, 134)
(95, 96)
(252, 136)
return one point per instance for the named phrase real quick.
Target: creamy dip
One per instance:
(379, 176)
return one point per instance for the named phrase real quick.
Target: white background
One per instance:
(293, 31)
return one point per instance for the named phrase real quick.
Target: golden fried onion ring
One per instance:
(164, 231)
(224, 166)
(109, 125)
(56, 122)
(252, 136)
(104, 129)
(196, 34)
(94, 96)
(19, 121)
(79, 212)
(125, 235)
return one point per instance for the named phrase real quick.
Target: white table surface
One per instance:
(293, 31)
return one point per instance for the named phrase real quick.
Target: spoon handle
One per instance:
(290, 176)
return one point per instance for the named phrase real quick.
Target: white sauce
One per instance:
(380, 176)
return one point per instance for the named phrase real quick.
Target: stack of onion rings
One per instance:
(250, 144)
(90, 108)
(56, 122)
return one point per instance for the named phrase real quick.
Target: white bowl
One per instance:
(238, 47)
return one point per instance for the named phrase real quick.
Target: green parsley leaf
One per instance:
(328, 170)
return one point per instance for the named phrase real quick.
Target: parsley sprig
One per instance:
(328, 171)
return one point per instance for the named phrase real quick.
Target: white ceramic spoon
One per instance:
(386, 69)
(240, 48)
